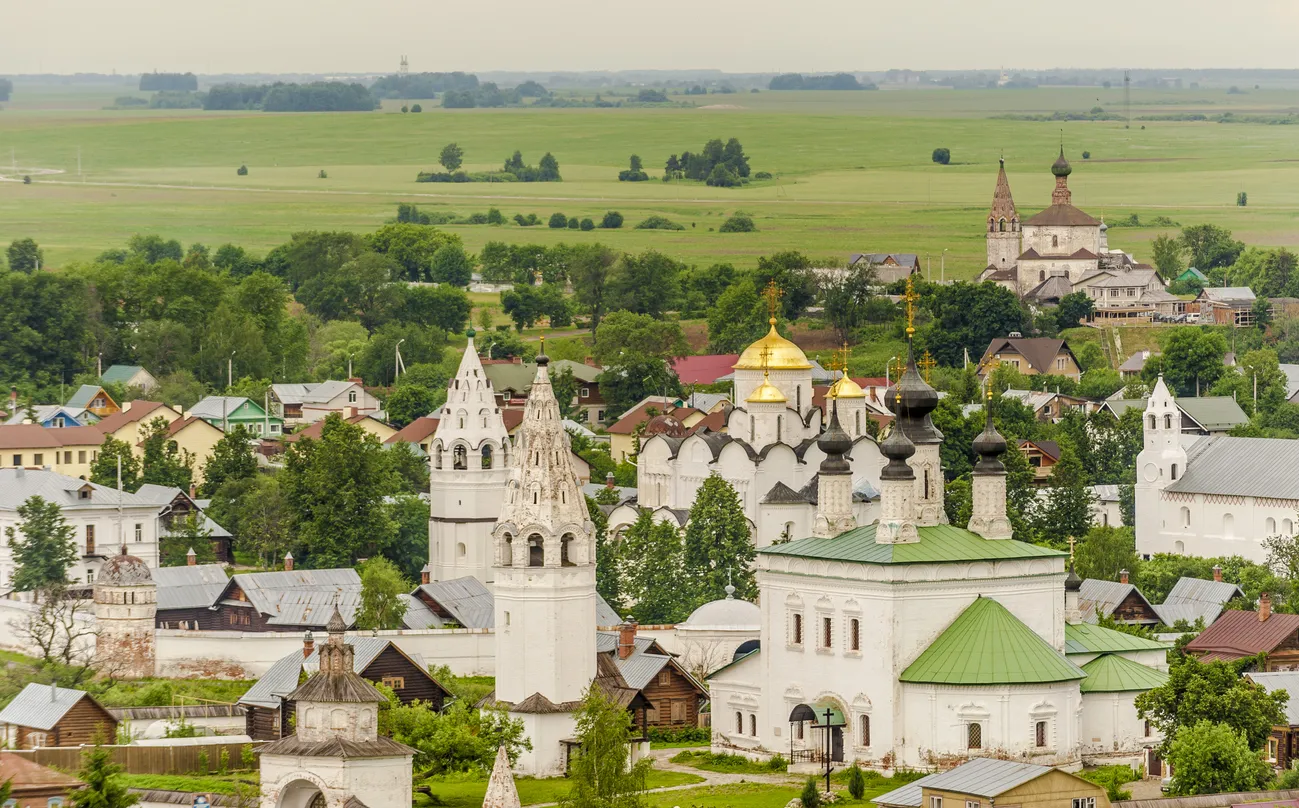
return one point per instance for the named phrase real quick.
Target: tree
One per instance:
(966, 317)
(811, 796)
(1167, 253)
(104, 786)
(652, 567)
(599, 771)
(624, 384)
(612, 220)
(1210, 246)
(164, 462)
(846, 296)
(382, 587)
(42, 545)
(414, 246)
(1212, 691)
(25, 255)
(1066, 510)
(737, 320)
(255, 511)
(451, 265)
(452, 156)
(1073, 309)
(649, 283)
(557, 221)
(626, 334)
(1104, 551)
(183, 536)
(61, 629)
(335, 487)
(232, 458)
(941, 156)
(606, 558)
(1191, 362)
(408, 550)
(408, 402)
(590, 267)
(791, 271)
(718, 549)
(461, 738)
(1209, 758)
(856, 782)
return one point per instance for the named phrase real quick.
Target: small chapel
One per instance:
(908, 641)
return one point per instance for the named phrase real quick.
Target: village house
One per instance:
(53, 416)
(511, 382)
(1042, 455)
(1200, 415)
(186, 595)
(368, 422)
(195, 436)
(94, 398)
(175, 507)
(224, 412)
(889, 267)
(1031, 356)
(1119, 601)
(672, 695)
(1283, 744)
(376, 659)
(299, 404)
(32, 785)
(68, 450)
(1237, 634)
(129, 376)
(998, 782)
(47, 715)
(1226, 305)
(291, 600)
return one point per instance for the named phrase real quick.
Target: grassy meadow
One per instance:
(852, 170)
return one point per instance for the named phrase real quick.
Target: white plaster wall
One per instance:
(1106, 512)
(1156, 659)
(1162, 527)
(545, 730)
(709, 649)
(545, 631)
(377, 782)
(108, 541)
(1110, 725)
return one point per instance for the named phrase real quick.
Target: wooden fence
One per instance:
(146, 759)
(1210, 800)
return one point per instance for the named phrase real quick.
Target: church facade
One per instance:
(911, 642)
(1211, 495)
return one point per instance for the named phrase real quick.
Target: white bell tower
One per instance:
(468, 469)
(545, 584)
(1162, 461)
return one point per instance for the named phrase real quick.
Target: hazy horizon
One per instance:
(332, 36)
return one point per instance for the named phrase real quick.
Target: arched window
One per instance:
(1287, 527)
(483, 414)
(779, 424)
(1001, 225)
(1055, 241)
(926, 483)
(1174, 471)
(739, 723)
(974, 735)
(1185, 515)
(460, 418)
(1270, 528)
(857, 421)
(460, 549)
(565, 542)
(536, 551)
(1168, 421)
(460, 458)
(798, 397)
(1228, 526)
(1179, 547)
(1152, 422)
(753, 725)
(507, 551)
(1041, 274)
(437, 455)
(487, 455)
(866, 719)
(752, 429)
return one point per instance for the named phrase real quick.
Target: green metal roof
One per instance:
(938, 544)
(987, 645)
(84, 395)
(751, 655)
(1085, 638)
(120, 373)
(1112, 673)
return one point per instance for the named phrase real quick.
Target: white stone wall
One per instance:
(545, 730)
(1062, 239)
(545, 629)
(1206, 525)
(1110, 725)
(1151, 659)
(292, 782)
(795, 384)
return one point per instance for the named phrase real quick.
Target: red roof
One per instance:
(313, 431)
(627, 424)
(1239, 634)
(138, 412)
(416, 431)
(25, 775)
(35, 436)
(703, 369)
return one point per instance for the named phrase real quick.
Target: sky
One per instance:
(323, 36)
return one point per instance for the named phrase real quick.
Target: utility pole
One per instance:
(230, 370)
(396, 362)
(942, 266)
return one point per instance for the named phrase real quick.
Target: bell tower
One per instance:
(1162, 460)
(1003, 225)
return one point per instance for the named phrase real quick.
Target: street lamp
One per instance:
(942, 267)
(396, 360)
(230, 369)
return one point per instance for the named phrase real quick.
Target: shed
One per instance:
(1003, 782)
(48, 715)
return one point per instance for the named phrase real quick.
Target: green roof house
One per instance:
(230, 411)
(129, 376)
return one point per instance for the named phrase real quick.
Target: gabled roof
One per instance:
(188, 587)
(1099, 598)
(140, 410)
(1047, 447)
(980, 777)
(1213, 413)
(35, 436)
(987, 645)
(1226, 466)
(300, 597)
(44, 412)
(908, 260)
(120, 373)
(781, 494)
(85, 394)
(1228, 295)
(703, 369)
(939, 544)
(417, 431)
(518, 377)
(1053, 288)
(315, 428)
(25, 775)
(1192, 272)
(41, 706)
(626, 425)
(1084, 638)
(1039, 351)
(1111, 673)
(1239, 634)
(465, 600)
(17, 485)
(1193, 598)
(210, 407)
(1062, 216)
(311, 393)
(1134, 363)
(1281, 680)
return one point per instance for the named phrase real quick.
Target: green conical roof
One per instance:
(1112, 673)
(987, 645)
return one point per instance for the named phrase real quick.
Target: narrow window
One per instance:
(90, 539)
(865, 730)
(1174, 471)
(1145, 729)
(753, 725)
(739, 723)
(139, 532)
(854, 635)
(974, 736)
(1039, 734)
(827, 633)
(1168, 422)
(798, 629)
(798, 731)
(935, 802)
(1152, 422)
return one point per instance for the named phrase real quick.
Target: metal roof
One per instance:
(1200, 591)
(466, 599)
(981, 777)
(310, 393)
(938, 544)
(987, 645)
(44, 412)
(1281, 680)
(210, 407)
(84, 395)
(40, 706)
(120, 373)
(418, 615)
(1214, 413)
(1239, 634)
(1111, 673)
(301, 597)
(638, 670)
(605, 615)
(17, 485)
(280, 680)
(1227, 294)
(1249, 467)
(1083, 638)
(187, 587)
(1100, 597)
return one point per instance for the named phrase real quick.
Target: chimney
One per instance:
(626, 638)
(609, 481)
(1264, 607)
(1217, 573)
(425, 577)
(288, 562)
(193, 491)
(589, 361)
(1123, 576)
(308, 644)
(357, 380)
(13, 400)
(191, 558)
(518, 360)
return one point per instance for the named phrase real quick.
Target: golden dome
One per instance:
(846, 388)
(766, 393)
(781, 354)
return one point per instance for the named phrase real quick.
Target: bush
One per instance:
(1087, 155)
(659, 223)
(416, 108)
(679, 734)
(856, 782)
(738, 223)
(627, 175)
(612, 220)
(573, 223)
(1242, 199)
(322, 175)
(242, 171)
(405, 108)
(587, 224)
(762, 175)
(494, 216)
(942, 156)
(811, 796)
(558, 221)
(530, 220)
(723, 177)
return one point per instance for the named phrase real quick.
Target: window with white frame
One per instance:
(1272, 747)
(1084, 802)
(935, 802)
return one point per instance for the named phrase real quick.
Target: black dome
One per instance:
(835, 443)
(898, 449)
(1061, 167)
(912, 400)
(989, 446)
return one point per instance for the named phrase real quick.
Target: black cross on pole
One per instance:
(829, 749)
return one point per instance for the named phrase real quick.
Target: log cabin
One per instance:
(47, 715)
(33, 785)
(672, 696)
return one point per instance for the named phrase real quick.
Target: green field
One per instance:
(853, 170)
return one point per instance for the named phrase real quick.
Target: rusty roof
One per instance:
(1062, 215)
(1239, 634)
(24, 774)
(1039, 351)
(35, 436)
(138, 411)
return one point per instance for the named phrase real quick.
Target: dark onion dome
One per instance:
(912, 400)
(1072, 583)
(898, 449)
(336, 624)
(1061, 167)
(471, 332)
(835, 443)
(124, 570)
(665, 425)
(989, 446)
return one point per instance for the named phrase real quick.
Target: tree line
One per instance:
(316, 96)
(175, 82)
(837, 81)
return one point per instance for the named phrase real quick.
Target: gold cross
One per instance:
(927, 363)
(765, 353)
(773, 295)
(910, 297)
(1072, 542)
(896, 365)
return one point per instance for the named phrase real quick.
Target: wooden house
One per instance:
(997, 782)
(46, 715)
(672, 696)
(32, 785)
(1239, 634)
(1119, 600)
(292, 600)
(376, 659)
(94, 398)
(1283, 743)
(1031, 356)
(1042, 455)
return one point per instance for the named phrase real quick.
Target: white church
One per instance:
(910, 642)
(1211, 495)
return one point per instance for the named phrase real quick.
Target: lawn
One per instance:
(853, 171)
(464, 792)
(206, 784)
(163, 692)
(728, 764)
(744, 795)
